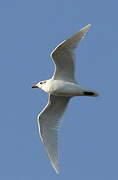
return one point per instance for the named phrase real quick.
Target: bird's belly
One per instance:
(60, 88)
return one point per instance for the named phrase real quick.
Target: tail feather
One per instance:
(90, 93)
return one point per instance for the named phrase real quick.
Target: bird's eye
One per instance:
(42, 82)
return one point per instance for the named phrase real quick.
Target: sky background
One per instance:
(88, 137)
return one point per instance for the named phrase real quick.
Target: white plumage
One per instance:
(61, 87)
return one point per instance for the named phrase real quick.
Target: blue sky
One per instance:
(88, 138)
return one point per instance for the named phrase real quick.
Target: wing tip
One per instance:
(57, 169)
(86, 28)
(55, 165)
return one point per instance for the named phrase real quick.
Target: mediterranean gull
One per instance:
(61, 88)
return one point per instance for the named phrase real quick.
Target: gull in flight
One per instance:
(61, 88)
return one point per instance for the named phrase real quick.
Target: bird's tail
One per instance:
(90, 93)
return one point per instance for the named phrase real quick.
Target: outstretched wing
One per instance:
(63, 56)
(48, 122)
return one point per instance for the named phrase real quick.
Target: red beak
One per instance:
(34, 86)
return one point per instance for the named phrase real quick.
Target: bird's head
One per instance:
(39, 84)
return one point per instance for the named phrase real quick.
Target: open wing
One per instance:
(63, 56)
(48, 122)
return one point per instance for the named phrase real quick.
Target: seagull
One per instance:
(61, 88)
